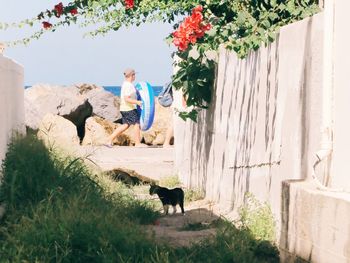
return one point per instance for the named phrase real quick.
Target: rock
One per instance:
(124, 177)
(79, 116)
(57, 131)
(149, 136)
(163, 118)
(33, 116)
(159, 140)
(128, 177)
(97, 131)
(104, 103)
(58, 100)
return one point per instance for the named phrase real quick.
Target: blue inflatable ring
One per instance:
(146, 112)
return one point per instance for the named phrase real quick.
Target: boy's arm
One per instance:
(132, 101)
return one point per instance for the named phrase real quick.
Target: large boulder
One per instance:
(57, 100)
(162, 120)
(58, 132)
(98, 129)
(104, 103)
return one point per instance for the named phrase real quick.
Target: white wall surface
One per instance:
(315, 224)
(263, 125)
(11, 102)
(340, 172)
(271, 113)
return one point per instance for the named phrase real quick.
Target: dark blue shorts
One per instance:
(130, 117)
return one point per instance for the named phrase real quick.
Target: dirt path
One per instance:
(183, 230)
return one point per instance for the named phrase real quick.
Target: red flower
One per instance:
(58, 9)
(198, 8)
(129, 4)
(47, 25)
(190, 29)
(74, 11)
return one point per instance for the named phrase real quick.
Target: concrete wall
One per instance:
(263, 125)
(341, 81)
(316, 225)
(271, 114)
(11, 101)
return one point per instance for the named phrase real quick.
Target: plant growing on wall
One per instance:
(238, 25)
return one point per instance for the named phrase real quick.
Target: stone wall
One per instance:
(11, 102)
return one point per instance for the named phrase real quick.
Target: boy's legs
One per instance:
(117, 131)
(137, 134)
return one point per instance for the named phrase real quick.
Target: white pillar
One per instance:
(340, 169)
(11, 101)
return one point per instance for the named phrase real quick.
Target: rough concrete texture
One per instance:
(263, 125)
(11, 102)
(315, 225)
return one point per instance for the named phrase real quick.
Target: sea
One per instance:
(116, 89)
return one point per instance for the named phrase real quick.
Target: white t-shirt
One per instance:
(128, 89)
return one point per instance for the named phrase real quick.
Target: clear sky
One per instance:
(65, 57)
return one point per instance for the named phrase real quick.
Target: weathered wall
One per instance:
(315, 224)
(263, 125)
(271, 114)
(11, 101)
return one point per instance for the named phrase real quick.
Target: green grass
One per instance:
(258, 218)
(231, 244)
(59, 211)
(170, 182)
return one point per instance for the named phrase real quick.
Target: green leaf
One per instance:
(241, 18)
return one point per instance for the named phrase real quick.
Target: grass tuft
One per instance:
(170, 182)
(258, 218)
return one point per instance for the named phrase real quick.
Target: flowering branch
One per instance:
(239, 25)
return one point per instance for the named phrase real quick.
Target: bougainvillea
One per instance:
(129, 4)
(58, 9)
(190, 29)
(46, 25)
(74, 11)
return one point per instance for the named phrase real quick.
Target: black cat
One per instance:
(169, 197)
